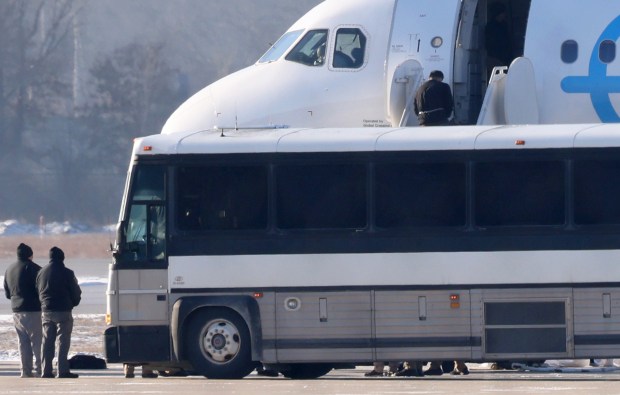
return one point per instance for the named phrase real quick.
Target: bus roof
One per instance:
(380, 139)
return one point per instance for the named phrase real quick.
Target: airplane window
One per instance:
(607, 51)
(280, 46)
(350, 49)
(310, 50)
(570, 51)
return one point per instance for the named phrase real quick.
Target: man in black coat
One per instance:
(433, 101)
(59, 293)
(498, 40)
(20, 286)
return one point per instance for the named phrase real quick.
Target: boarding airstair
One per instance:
(511, 96)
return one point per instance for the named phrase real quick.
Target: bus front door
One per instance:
(138, 297)
(143, 276)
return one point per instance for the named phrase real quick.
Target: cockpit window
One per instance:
(350, 49)
(310, 50)
(607, 51)
(280, 46)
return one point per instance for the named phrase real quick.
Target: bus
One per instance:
(311, 249)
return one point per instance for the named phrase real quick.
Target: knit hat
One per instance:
(56, 254)
(24, 251)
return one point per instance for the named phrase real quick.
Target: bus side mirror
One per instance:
(120, 238)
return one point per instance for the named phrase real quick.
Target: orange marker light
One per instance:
(147, 148)
(520, 142)
(258, 295)
(455, 301)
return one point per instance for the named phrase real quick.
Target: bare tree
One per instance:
(135, 92)
(33, 36)
(86, 161)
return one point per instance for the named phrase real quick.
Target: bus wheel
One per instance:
(304, 371)
(218, 344)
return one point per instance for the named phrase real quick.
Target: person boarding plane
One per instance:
(372, 68)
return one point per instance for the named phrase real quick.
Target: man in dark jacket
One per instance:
(433, 101)
(59, 293)
(20, 286)
(498, 40)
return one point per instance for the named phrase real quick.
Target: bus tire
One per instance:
(305, 371)
(218, 344)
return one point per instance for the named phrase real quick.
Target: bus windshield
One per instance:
(145, 232)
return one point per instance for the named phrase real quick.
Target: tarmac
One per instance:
(338, 382)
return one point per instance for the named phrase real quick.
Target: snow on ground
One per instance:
(87, 336)
(12, 227)
(83, 281)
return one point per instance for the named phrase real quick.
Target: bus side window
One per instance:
(222, 198)
(326, 196)
(420, 195)
(597, 192)
(528, 193)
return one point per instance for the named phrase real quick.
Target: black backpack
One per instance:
(83, 361)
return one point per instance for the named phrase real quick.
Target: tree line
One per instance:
(60, 157)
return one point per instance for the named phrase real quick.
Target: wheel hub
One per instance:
(221, 341)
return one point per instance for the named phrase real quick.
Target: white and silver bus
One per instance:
(306, 249)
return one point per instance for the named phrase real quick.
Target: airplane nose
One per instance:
(199, 112)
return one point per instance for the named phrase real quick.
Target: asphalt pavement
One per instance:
(340, 382)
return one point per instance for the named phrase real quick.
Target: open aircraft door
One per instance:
(408, 77)
(423, 31)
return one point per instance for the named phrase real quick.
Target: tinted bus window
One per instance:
(148, 183)
(425, 194)
(597, 192)
(321, 196)
(222, 198)
(519, 193)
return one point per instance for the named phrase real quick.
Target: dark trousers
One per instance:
(56, 324)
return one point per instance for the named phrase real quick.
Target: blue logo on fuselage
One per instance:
(597, 83)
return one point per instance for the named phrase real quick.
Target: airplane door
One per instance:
(407, 79)
(424, 31)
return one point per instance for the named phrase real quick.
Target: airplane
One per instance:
(358, 63)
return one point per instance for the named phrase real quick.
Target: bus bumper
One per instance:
(137, 344)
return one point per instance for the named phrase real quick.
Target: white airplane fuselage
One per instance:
(564, 68)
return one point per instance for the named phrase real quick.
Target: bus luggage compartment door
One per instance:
(527, 324)
(323, 326)
(143, 296)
